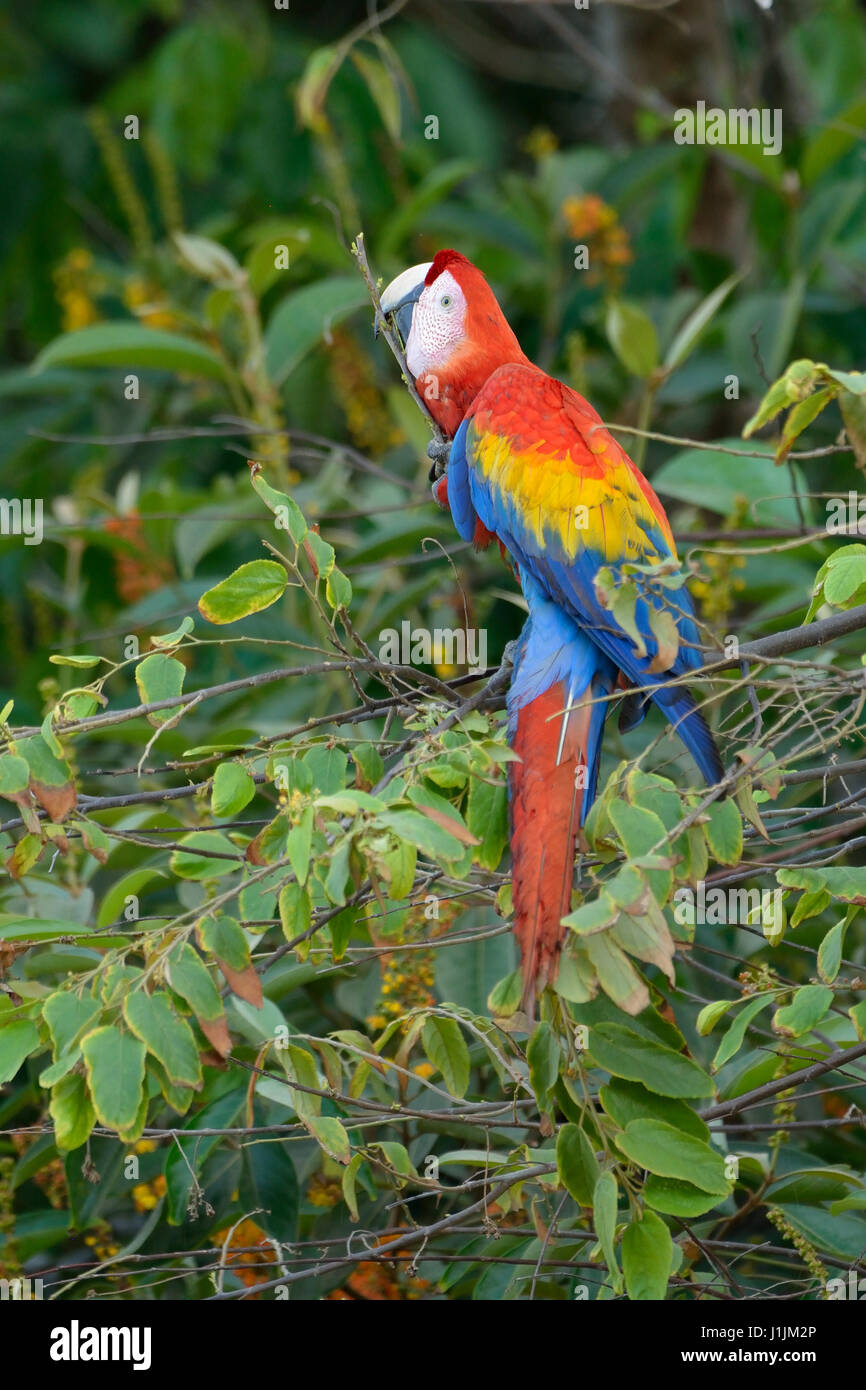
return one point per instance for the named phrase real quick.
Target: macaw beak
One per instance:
(401, 296)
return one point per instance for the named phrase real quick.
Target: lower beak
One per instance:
(402, 315)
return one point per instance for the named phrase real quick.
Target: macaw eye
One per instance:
(445, 301)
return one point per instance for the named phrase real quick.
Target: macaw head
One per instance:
(455, 333)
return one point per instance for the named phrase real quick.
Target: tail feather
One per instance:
(547, 810)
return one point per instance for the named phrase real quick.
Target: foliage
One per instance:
(257, 984)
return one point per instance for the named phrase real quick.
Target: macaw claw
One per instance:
(438, 450)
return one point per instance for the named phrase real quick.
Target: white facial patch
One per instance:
(438, 324)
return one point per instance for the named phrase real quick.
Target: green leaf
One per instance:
(233, 789)
(14, 776)
(328, 767)
(193, 858)
(330, 1135)
(670, 1153)
(295, 909)
(81, 662)
(269, 1187)
(160, 677)
(632, 336)
(504, 998)
(733, 1039)
(676, 1198)
(349, 1185)
(576, 1164)
(543, 1056)
(719, 482)
(250, 589)
(641, 832)
(445, 1047)
(300, 1067)
(208, 258)
(383, 88)
(68, 1015)
(224, 938)
(115, 1074)
(289, 516)
(724, 831)
(616, 974)
(169, 1038)
(397, 1158)
(338, 589)
(625, 1053)
(487, 818)
(425, 834)
(625, 1101)
(647, 1251)
(857, 1014)
(175, 637)
(131, 345)
(805, 1011)
(689, 333)
(604, 1204)
(188, 977)
(17, 1041)
(832, 140)
(72, 1112)
(847, 883)
(830, 952)
(711, 1013)
(302, 318)
(299, 843)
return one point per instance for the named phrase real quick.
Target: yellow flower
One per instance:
(540, 142)
(146, 1195)
(424, 1070)
(73, 282)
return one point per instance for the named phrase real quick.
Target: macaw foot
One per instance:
(438, 450)
(509, 654)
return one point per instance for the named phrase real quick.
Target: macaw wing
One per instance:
(534, 463)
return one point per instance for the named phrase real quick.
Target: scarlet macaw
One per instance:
(531, 464)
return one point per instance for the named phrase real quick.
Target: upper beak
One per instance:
(401, 296)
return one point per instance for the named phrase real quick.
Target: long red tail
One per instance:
(546, 799)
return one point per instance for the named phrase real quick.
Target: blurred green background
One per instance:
(261, 127)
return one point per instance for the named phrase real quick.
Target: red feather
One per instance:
(545, 826)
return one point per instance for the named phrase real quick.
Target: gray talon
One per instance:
(509, 653)
(438, 450)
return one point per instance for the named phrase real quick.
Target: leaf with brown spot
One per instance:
(24, 855)
(246, 984)
(453, 826)
(217, 1033)
(50, 778)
